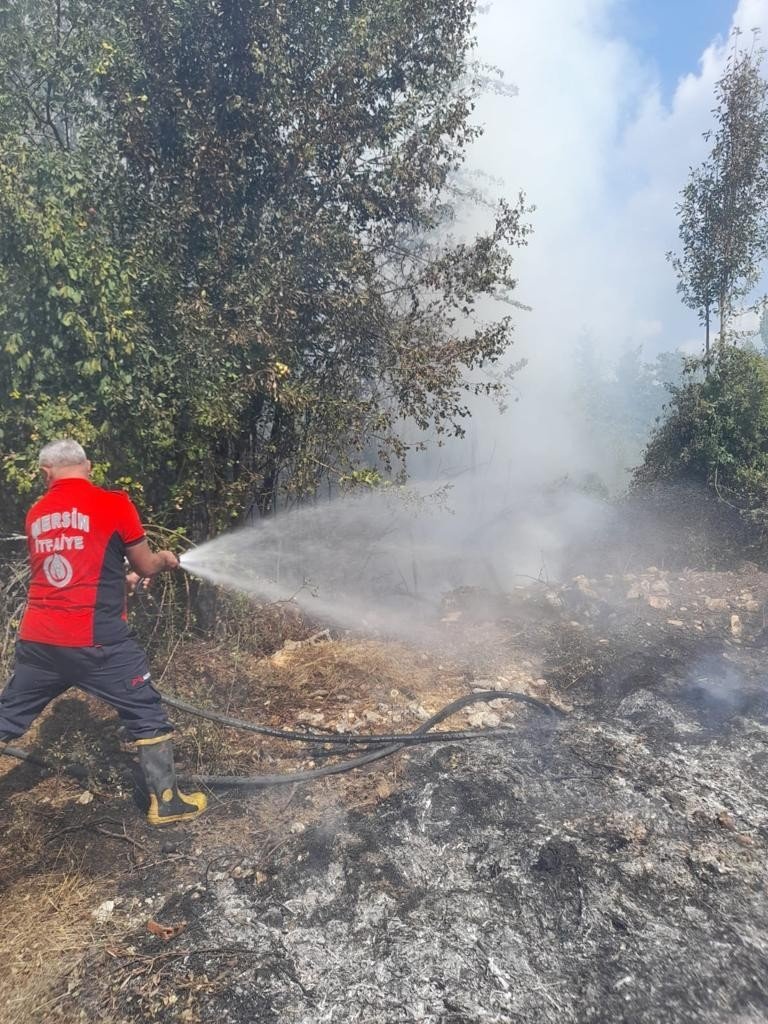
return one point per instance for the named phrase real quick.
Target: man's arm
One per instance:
(146, 562)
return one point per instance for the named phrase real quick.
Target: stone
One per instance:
(483, 719)
(584, 586)
(104, 911)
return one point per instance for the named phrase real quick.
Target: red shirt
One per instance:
(77, 535)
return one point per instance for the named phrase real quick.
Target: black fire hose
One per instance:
(419, 735)
(349, 738)
(77, 771)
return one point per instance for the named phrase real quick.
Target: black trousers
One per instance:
(116, 673)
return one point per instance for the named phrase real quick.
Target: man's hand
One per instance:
(132, 580)
(169, 560)
(146, 562)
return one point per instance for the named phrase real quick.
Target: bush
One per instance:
(715, 433)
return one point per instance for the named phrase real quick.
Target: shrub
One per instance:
(715, 433)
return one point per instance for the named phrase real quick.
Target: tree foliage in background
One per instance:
(716, 432)
(724, 208)
(223, 230)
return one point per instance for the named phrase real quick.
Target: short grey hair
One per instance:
(64, 452)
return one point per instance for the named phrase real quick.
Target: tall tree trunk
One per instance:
(267, 495)
(722, 302)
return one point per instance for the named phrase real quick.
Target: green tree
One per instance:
(269, 188)
(67, 333)
(716, 432)
(696, 265)
(724, 208)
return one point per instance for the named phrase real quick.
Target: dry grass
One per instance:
(53, 872)
(342, 685)
(47, 928)
(343, 671)
(14, 576)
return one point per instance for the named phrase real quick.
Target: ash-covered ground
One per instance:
(608, 866)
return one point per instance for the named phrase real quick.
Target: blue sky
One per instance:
(672, 34)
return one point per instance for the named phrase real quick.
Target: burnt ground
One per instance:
(606, 866)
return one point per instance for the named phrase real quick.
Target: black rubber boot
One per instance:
(166, 804)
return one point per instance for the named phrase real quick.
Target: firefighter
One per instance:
(74, 631)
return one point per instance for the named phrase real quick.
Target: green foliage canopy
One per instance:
(716, 432)
(223, 233)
